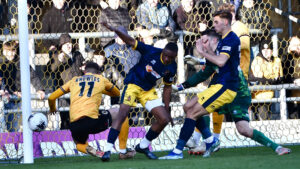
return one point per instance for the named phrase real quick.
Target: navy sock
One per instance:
(113, 135)
(185, 133)
(151, 135)
(203, 127)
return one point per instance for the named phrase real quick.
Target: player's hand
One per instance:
(178, 87)
(199, 46)
(192, 60)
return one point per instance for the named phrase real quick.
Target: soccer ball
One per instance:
(37, 122)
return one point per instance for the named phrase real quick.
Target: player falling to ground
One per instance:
(85, 118)
(242, 32)
(222, 91)
(238, 108)
(139, 83)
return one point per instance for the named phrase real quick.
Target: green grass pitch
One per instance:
(231, 158)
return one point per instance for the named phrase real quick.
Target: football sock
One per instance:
(82, 147)
(209, 139)
(202, 124)
(123, 136)
(216, 135)
(217, 122)
(185, 133)
(196, 135)
(151, 135)
(112, 137)
(123, 151)
(262, 139)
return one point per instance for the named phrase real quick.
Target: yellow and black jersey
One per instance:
(85, 95)
(242, 32)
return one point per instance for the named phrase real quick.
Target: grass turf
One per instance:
(246, 158)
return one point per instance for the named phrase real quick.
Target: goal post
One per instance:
(25, 80)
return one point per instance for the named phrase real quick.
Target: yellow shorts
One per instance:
(132, 93)
(215, 97)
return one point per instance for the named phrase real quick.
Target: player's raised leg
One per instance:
(245, 130)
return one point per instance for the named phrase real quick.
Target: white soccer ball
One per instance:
(37, 122)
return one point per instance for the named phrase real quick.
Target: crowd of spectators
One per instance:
(156, 22)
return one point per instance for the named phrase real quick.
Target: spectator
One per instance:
(64, 65)
(294, 73)
(11, 84)
(115, 16)
(57, 20)
(266, 69)
(187, 17)
(236, 4)
(155, 19)
(255, 16)
(4, 18)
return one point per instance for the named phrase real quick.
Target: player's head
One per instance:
(169, 53)
(228, 7)
(212, 37)
(92, 67)
(222, 21)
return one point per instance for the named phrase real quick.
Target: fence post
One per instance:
(275, 44)
(180, 64)
(283, 107)
(82, 47)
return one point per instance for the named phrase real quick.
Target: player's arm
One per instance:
(56, 94)
(197, 78)
(111, 89)
(124, 36)
(206, 51)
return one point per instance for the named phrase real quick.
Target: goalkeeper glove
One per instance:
(192, 60)
(178, 87)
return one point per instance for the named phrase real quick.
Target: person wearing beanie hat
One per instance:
(64, 38)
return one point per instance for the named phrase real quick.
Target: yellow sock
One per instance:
(217, 122)
(82, 147)
(123, 136)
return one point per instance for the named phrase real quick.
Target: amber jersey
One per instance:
(86, 95)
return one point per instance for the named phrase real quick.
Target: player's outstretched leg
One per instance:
(185, 133)
(245, 130)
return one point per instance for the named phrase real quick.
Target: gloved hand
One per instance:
(178, 87)
(192, 60)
